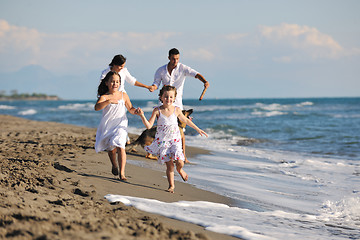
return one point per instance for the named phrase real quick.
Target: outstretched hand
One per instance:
(202, 133)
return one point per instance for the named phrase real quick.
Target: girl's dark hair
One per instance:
(118, 60)
(167, 88)
(102, 89)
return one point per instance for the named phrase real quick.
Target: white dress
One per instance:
(167, 144)
(112, 130)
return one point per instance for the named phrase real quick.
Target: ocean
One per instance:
(291, 166)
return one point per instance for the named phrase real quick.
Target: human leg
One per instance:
(170, 176)
(122, 162)
(112, 157)
(180, 170)
(183, 144)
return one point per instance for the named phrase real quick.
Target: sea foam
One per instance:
(6, 107)
(212, 216)
(245, 223)
(77, 106)
(28, 112)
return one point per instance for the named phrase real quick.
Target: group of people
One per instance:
(169, 145)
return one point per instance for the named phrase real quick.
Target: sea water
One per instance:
(292, 166)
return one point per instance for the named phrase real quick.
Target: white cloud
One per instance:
(304, 40)
(19, 40)
(69, 52)
(201, 54)
(20, 46)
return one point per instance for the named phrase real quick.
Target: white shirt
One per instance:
(176, 79)
(124, 76)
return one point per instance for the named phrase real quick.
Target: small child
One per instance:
(167, 144)
(111, 135)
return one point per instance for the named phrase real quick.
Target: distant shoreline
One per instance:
(29, 97)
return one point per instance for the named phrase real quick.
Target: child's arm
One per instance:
(184, 119)
(101, 103)
(129, 105)
(150, 123)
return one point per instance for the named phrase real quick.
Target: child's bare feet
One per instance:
(114, 171)
(183, 175)
(123, 178)
(171, 190)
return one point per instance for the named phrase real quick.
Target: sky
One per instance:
(245, 49)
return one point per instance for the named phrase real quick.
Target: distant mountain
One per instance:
(35, 71)
(36, 79)
(31, 78)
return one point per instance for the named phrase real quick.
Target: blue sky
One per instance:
(245, 49)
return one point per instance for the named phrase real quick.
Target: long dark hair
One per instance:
(118, 60)
(102, 89)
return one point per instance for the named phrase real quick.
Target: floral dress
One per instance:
(112, 130)
(167, 144)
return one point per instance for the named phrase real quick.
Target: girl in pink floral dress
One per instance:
(167, 144)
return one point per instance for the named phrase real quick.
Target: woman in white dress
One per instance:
(111, 134)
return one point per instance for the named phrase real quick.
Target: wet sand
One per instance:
(52, 186)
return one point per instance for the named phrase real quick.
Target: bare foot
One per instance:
(115, 170)
(150, 156)
(171, 190)
(183, 175)
(123, 178)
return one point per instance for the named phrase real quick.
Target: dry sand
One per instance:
(52, 186)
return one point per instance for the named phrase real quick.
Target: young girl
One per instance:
(167, 144)
(111, 134)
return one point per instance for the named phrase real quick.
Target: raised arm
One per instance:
(202, 79)
(206, 84)
(184, 119)
(101, 103)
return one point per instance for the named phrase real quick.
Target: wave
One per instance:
(268, 114)
(244, 223)
(223, 140)
(345, 210)
(211, 108)
(27, 112)
(7, 107)
(215, 217)
(305, 104)
(272, 106)
(77, 106)
(275, 109)
(252, 110)
(354, 115)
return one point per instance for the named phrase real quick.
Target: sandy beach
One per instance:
(53, 186)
